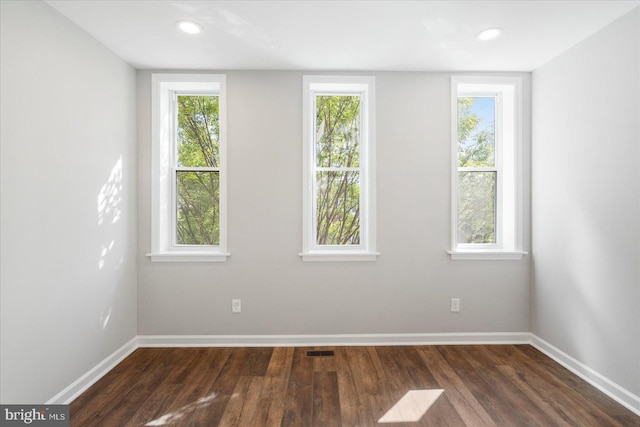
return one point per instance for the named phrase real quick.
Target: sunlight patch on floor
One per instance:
(412, 407)
(176, 416)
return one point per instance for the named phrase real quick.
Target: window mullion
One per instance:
(337, 169)
(477, 169)
(196, 169)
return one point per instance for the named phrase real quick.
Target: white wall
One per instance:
(406, 291)
(586, 195)
(68, 267)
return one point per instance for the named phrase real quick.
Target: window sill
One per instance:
(486, 255)
(339, 256)
(188, 257)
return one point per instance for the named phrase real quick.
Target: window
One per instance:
(188, 168)
(486, 140)
(339, 169)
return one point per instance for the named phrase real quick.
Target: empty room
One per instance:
(320, 213)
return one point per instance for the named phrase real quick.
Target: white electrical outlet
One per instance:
(455, 305)
(236, 305)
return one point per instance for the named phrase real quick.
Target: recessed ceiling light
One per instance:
(189, 27)
(489, 34)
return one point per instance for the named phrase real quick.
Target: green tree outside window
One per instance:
(197, 170)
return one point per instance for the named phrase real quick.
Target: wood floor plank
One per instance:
(299, 401)
(508, 393)
(470, 410)
(530, 376)
(416, 378)
(552, 403)
(326, 400)
(325, 363)
(483, 388)
(209, 411)
(116, 386)
(479, 385)
(270, 406)
(374, 356)
(204, 391)
(162, 397)
(349, 399)
(258, 361)
(103, 395)
(371, 398)
(176, 368)
(580, 387)
(243, 402)
(195, 391)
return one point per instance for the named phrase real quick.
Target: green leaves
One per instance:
(198, 131)
(476, 207)
(477, 175)
(476, 135)
(197, 185)
(198, 216)
(338, 178)
(338, 208)
(337, 131)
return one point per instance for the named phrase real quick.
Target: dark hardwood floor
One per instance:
(480, 385)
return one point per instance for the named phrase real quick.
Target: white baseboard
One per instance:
(331, 340)
(602, 383)
(75, 389)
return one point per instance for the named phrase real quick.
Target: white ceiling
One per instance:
(341, 35)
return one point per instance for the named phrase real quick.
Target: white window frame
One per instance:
(508, 167)
(363, 86)
(163, 161)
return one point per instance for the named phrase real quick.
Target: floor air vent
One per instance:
(320, 353)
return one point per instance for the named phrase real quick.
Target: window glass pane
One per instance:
(337, 131)
(476, 131)
(477, 207)
(338, 208)
(198, 208)
(198, 131)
